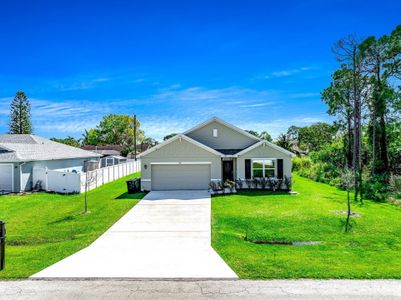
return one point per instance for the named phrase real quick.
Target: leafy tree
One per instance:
(91, 137)
(338, 97)
(382, 61)
(253, 132)
(20, 115)
(264, 135)
(283, 140)
(169, 136)
(69, 140)
(313, 137)
(114, 129)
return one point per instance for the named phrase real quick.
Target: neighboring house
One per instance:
(21, 153)
(212, 151)
(111, 154)
(112, 160)
(104, 150)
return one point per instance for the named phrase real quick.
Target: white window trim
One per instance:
(275, 166)
(215, 132)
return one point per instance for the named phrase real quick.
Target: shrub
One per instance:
(374, 188)
(230, 184)
(301, 163)
(239, 183)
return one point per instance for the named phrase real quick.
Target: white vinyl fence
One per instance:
(67, 182)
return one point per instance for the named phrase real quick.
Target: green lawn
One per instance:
(44, 228)
(371, 250)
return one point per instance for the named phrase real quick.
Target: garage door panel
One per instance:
(180, 177)
(6, 178)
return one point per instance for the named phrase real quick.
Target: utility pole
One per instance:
(135, 137)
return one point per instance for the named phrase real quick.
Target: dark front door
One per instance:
(228, 170)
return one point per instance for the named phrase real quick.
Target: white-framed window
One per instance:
(264, 167)
(215, 133)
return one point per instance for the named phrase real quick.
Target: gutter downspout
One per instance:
(20, 176)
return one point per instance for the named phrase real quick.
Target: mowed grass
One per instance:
(44, 228)
(371, 250)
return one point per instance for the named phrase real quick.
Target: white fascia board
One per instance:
(196, 163)
(225, 124)
(158, 146)
(267, 143)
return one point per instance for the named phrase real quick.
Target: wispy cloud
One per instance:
(80, 84)
(287, 72)
(173, 109)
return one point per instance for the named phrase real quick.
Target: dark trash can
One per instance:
(134, 185)
(2, 244)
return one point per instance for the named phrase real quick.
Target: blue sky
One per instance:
(257, 64)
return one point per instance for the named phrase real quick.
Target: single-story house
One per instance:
(112, 160)
(21, 153)
(212, 151)
(104, 150)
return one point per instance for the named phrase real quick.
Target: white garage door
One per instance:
(180, 177)
(6, 178)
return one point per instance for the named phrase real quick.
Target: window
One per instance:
(263, 168)
(214, 132)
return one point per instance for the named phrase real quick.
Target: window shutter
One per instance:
(280, 169)
(248, 169)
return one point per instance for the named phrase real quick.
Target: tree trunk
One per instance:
(356, 158)
(348, 212)
(349, 142)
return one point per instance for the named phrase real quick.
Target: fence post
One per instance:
(2, 244)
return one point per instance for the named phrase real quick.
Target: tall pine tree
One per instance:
(20, 115)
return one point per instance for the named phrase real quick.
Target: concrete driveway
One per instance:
(166, 235)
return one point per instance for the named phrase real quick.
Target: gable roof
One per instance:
(176, 137)
(29, 147)
(215, 119)
(260, 143)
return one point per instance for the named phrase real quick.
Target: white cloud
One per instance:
(81, 85)
(288, 72)
(174, 109)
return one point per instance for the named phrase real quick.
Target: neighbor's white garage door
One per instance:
(180, 177)
(6, 178)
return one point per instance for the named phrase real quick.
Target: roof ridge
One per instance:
(229, 125)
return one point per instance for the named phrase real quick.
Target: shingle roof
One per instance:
(28, 147)
(229, 151)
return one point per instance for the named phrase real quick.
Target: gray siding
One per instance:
(227, 138)
(178, 151)
(264, 152)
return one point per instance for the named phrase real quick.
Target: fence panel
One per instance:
(67, 182)
(107, 174)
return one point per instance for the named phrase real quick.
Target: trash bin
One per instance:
(134, 185)
(2, 244)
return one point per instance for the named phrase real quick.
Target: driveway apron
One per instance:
(166, 235)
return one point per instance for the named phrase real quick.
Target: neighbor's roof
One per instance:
(28, 147)
(107, 152)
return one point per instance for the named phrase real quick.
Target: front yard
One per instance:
(371, 250)
(44, 228)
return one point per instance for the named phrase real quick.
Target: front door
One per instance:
(228, 170)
